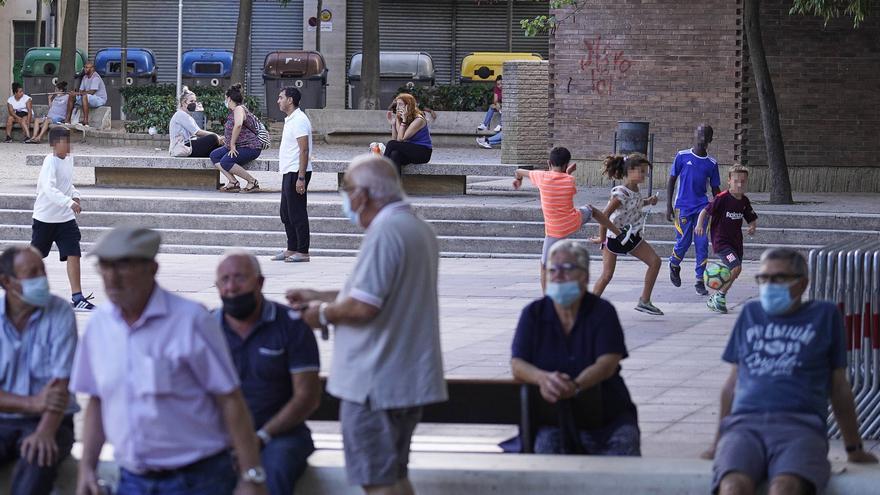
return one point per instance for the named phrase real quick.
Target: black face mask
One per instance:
(191, 107)
(240, 306)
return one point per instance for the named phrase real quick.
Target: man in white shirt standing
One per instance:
(55, 211)
(296, 172)
(92, 93)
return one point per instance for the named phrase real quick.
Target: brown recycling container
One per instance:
(304, 70)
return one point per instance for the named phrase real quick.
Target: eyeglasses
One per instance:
(776, 278)
(564, 269)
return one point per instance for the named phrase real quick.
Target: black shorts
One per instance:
(65, 235)
(615, 246)
(730, 258)
(21, 113)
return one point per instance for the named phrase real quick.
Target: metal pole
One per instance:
(318, 26)
(179, 46)
(123, 55)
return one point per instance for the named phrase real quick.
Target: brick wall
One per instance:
(525, 113)
(672, 63)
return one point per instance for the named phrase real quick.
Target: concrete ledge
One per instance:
(337, 126)
(99, 118)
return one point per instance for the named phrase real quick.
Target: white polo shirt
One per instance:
(296, 125)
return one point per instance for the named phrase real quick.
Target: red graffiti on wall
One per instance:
(604, 65)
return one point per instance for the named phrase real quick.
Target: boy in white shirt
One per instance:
(55, 211)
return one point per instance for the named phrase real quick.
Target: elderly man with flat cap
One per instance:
(386, 354)
(163, 389)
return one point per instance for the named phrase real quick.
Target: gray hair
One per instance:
(795, 260)
(241, 253)
(574, 248)
(378, 176)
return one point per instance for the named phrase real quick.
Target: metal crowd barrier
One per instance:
(848, 274)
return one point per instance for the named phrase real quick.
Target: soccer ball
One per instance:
(716, 275)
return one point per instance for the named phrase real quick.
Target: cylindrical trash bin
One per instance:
(206, 67)
(632, 137)
(304, 70)
(396, 70)
(484, 67)
(141, 71)
(39, 71)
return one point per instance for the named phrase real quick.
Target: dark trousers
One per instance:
(403, 153)
(294, 215)
(214, 475)
(285, 459)
(203, 146)
(27, 478)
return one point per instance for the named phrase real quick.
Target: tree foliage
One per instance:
(831, 9)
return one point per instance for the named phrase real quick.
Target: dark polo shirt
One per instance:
(280, 345)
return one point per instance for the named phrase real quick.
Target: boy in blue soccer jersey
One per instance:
(691, 170)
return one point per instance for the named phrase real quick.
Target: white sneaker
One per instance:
(481, 127)
(484, 143)
(498, 128)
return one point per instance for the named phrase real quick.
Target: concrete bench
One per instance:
(99, 118)
(200, 173)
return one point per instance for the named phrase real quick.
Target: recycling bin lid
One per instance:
(45, 61)
(140, 61)
(206, 62)
(486, 66)
(294, 63)
(412, 65)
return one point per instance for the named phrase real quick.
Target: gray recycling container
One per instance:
(141, 72)
(396, 70)
(304, 70)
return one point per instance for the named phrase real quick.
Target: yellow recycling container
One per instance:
(486, 66)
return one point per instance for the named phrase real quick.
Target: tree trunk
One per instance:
(370, 62)
(780, 185)
(242, 41)
(38, 26)
(67, 70)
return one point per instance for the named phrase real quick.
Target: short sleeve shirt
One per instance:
(43, 351)
(19, 105)
(785, 362)
(395, 359)
(94, 82)
(280, 345)
(726, 215)
(693, 173)
(540, 341)
(182, 126)
(630, 211)
(296, 125)
(58, 107)
(557, 189)
(498, 92)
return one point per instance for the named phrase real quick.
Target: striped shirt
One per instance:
(561, 219)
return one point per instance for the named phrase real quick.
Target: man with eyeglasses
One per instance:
(789, 359)
(162, 386)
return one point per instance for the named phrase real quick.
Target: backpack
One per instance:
(260, 130)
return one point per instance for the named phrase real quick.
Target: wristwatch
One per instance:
(300, 178)
(322, 315)
(854, 448)
(264, 436)
(255, 475)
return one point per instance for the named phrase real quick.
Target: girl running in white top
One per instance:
(625, 212)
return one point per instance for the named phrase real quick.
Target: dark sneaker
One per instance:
(700, 287)
(8, 139)
(82, 304)
(647, 307)
(675, 275)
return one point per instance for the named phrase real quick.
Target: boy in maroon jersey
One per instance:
(726, 214)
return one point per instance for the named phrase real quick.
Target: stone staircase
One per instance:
(211, 226)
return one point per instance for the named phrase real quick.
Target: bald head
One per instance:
(238, 273)
(377, 176)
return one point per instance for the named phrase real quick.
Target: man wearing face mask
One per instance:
(789, 359)
(276, 357)
(37, 344)
(386, 353)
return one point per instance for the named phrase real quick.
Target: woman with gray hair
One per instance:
(187, 138)
(568, 342)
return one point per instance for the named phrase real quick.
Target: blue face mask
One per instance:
(775, 298)
(35, 291)
(353, 216)
(564, 293)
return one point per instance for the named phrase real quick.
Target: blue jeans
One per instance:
(214, 475)
(496, 139)
(489, 114)
(221, 156)
(285, 459)
(684, 236)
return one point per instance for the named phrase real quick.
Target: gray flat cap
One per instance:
(127, 242)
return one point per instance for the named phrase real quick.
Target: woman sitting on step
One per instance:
(242, 144)
(410, 137)
(187, 138)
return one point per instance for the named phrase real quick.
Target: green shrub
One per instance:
(452, 97)
(153, 106)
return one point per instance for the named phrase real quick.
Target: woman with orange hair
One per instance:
(410, 137)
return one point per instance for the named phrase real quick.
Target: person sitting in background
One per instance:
(571, 341)
(92, 94)
(491, 141)
(19, 109)
(187, 138)
(56, 113)
(242, 144)
(494, 108)
(410, 137)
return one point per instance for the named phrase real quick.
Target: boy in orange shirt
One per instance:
(558, 188)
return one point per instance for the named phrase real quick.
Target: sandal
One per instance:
(251, 187)
(230, 187)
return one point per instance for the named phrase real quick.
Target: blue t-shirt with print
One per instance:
(785, 362)
(693, 171)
